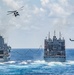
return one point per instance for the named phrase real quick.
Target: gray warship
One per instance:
(54, 49)
(4, 50)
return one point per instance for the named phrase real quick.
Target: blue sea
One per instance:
(31, 62)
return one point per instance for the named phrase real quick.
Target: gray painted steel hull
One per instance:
(55, 59)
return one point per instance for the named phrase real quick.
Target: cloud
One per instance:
(58, 7)
(44, 2)
(38, 11)
(47, 9)
(59, 11)
(10, 22)
(37, 18)
(12, 3)
(42, 10)
(64, 2)
(19, 21)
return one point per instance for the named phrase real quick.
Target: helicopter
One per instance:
(71, 40)
(15, 12)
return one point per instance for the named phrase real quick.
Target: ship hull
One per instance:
(55, 59)
(5, 58)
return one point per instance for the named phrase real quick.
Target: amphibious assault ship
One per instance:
(4, 50)
(54, 49)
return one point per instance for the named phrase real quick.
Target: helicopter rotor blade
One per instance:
(9, 13)
(20, 8)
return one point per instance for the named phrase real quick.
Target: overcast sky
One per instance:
(37, 18)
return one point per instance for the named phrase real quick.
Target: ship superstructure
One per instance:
(54, 49)
(4, 50)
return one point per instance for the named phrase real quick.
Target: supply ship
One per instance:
(54, 49)
(4, 50)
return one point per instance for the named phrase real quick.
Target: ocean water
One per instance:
(31, 62)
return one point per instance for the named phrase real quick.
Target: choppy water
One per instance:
(30, 62)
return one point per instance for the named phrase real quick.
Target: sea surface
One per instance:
(31, 62)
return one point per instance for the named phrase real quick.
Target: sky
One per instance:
(36, 20)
